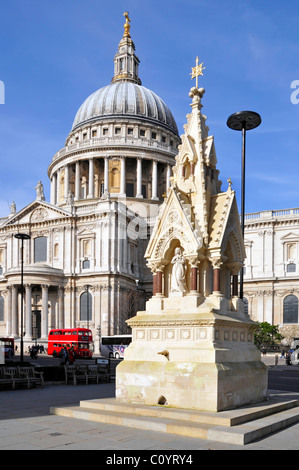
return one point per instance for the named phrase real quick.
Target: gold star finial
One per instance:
(196, 71)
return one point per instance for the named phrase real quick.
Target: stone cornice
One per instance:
(194, 320)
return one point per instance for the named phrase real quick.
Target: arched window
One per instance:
(40, 249)
(290, 309)
(1, 308)
(86, 306)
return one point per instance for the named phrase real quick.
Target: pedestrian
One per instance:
(71, 353)
(34, 352)
(65, 357)
(264, 351)
(282, 354)
(276, 359)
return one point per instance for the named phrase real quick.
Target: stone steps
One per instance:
(240, 426)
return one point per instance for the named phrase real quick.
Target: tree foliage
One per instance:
(267, 334)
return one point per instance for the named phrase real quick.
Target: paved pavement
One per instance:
(25, 424)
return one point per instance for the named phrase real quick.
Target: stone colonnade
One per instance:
(94, 184)
(13, 310)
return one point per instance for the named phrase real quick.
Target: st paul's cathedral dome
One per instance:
(125, 99)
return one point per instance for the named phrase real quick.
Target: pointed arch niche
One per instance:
(169, 254)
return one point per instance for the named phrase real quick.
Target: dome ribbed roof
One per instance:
(128, 100)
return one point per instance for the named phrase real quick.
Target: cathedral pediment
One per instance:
(35, 212)
(290, 237)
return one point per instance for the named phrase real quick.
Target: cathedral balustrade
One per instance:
(93, 144)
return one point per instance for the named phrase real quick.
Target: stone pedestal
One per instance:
(192, 358)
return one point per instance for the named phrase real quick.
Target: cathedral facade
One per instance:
(83, 264)
(271, 280)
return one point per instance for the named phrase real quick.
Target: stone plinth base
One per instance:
(209, 387)
(201, 360)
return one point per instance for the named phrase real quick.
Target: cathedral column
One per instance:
(77, 181)
(14, 311)
(58, 176)
(90, 179)
(66, 181)
(53, 189)
(106, 174)
(44, 326)
(168, 175)
(139, 178)
(28, 318)
(123, 176)
(155, 180)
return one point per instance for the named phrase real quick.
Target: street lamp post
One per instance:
(22, 237)
(243, 121)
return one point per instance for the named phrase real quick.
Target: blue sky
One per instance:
(54, 54)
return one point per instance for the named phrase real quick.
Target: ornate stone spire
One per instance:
(126, 63)
(194, 342)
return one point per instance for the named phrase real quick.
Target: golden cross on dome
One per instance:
(196, 71)
(127, 24)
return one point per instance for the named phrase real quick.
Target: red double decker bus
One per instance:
(78, 338)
